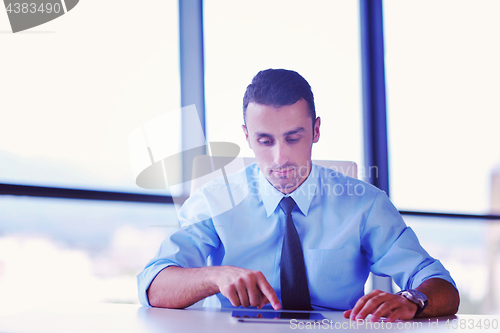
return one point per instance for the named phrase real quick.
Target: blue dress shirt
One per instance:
(347, 229)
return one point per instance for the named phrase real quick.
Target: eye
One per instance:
(265, 142)
(292, 140)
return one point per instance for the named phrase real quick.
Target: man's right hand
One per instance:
(244, 287)
(177, 287)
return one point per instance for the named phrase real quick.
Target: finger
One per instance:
(263, 302)
(361, 303)
(371, 304)
(232, 295)
(268, 292)
(347, 313)
(384, 310)
(241, 289)
(254, 294)
(272, 298)
(393, 316)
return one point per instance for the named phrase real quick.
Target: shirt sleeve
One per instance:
(393, 248)
(187, 246)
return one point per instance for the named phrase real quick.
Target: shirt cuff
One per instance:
(145, 278)
(434, 270)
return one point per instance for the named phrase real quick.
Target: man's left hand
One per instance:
(382, 304)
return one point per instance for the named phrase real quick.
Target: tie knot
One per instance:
(286, 205)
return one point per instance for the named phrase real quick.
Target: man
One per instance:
(250, 255)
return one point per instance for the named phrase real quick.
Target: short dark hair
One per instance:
(279, 87)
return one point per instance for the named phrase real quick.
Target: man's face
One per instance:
(282, 139)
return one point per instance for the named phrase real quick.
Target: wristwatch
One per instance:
(416, 297)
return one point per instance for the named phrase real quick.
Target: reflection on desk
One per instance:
(123, 318)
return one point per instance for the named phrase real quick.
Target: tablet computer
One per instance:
(276, 316)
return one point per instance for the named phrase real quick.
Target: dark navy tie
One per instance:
(294, 289)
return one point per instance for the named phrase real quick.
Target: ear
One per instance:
(317, 123)
(246, 135)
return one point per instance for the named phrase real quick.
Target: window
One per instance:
(74, 89)
(443, 112)
(468, 249)
(319, 40)
(62, 250)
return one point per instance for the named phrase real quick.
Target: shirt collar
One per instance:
(302, 195)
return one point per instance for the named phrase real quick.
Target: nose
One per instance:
(280, 154)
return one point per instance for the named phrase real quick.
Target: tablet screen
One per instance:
(276, 316)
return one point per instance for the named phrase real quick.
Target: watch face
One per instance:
(416, 297)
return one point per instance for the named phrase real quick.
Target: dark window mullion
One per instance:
(69, 193)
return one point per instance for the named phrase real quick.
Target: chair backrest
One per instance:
(203, 166)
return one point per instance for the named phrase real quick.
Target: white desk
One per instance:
(111, 318)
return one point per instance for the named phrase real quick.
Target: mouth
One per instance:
(282, 172)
